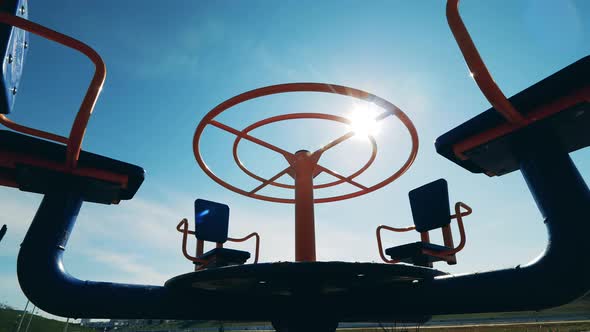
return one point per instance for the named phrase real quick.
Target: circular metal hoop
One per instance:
(389, 108)
(300, 116)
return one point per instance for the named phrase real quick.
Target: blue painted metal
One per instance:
(430, 205)
(14, 44)
(46, 283)
(211, 221)
(559, 276)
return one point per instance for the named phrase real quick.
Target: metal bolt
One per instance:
(22, 10)
(10, 59)
(13, 90)
(26, 44)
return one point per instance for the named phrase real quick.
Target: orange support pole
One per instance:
(304, 166)
(448, 236)
(425, 237)
(448, 241)
(199, 251)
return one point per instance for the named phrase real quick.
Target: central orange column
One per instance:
(304, 166)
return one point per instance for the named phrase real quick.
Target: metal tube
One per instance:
(30, 319)
(199, 251)
(22, 317)
(304, 210)
(425, 237)
(43, 279)
(559, 276)
(67, 323)
(448, 242)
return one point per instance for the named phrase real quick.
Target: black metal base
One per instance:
(302, 279)
(297, 295)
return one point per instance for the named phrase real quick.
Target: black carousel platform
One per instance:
(301, 278)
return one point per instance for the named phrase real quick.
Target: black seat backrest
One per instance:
(211, 221)
(430, 205)
(13, 48)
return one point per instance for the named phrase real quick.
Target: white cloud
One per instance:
(133, 265)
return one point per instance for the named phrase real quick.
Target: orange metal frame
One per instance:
(74, 141)
(390, 109)
(292, 116)
(183, 228)
(303, 165)
(447, 236)
(492, 92)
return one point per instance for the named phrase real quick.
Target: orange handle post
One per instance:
(459, 216)
(245, 239)
(478, 69)
(182, 227)
(74, 141)
(380, 245)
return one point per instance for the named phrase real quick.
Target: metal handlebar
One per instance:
(380, 245)
(182, 227)
(458, 215)
(185, 232)
(245, 239)
(74, 141)
(478, 69)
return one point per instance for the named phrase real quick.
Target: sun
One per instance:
(363, 120)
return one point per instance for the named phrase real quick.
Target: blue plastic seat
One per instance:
(430, 210)
(211, 224)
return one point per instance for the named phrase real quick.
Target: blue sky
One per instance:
(169, 65)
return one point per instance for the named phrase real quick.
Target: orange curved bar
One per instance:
(31, 131)
(380, 244)
(74, 141)
(478, 69)
(183, 228)
(245, 239)
(326, 147)
(390, 109)
(539, 113)
(459, 216)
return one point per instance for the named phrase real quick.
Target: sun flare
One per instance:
(363, 120)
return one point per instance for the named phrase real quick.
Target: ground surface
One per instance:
(10, 318)
(572, 317)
